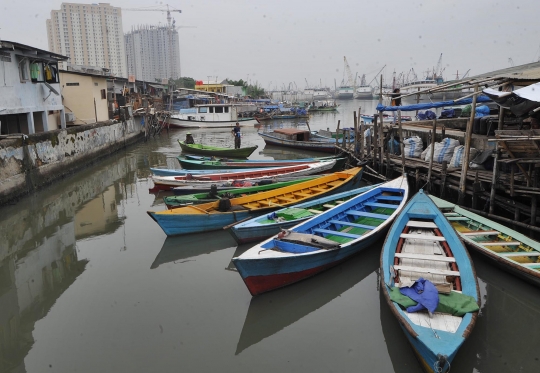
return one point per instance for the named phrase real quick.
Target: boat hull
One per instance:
(321, 146)
(221, 152)
(185, 123)
(261, 276)
(174, 225)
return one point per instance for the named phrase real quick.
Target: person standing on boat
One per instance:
(189, 138)
(395, 100)
(237, 135)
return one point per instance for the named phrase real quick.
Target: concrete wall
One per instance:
(33, 162)
(80, 98)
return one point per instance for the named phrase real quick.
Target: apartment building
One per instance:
(152, 53)
(90, 35)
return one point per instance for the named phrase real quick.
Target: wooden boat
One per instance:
(299, 139)
(216, 215)
(168, 182)
(194, 199)
(213, 116)
(510, 250)
(422, 243)
(191, 164)
(217, 151)
(223, 159)
(323, 241)
(259, 228)
(183, 172)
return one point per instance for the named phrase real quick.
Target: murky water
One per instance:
(89, 283)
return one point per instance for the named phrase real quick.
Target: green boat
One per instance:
(192, 164)
(510, 250)
(193, 199)
(215, 151)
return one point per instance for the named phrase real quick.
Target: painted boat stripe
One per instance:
(370, 227)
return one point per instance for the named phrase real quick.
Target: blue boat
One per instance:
(259, 228)
(216, 215)
(422, 244)
(323, 241)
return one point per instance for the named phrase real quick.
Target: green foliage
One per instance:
(237, 83)
(250, 90)
(184, 82)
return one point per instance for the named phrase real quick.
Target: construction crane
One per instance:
(307, 84)
(465, 75)
(348, 72)
(169, 17)
(438, 70)
(511, 62)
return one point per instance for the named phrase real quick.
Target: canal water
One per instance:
(89, 283)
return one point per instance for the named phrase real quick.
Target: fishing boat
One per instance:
(217, 151)
(323, 241)
(345, 92)
(216, 215)
(167, 182)
(183, 172)
(191, 164)
(324, 105)
(212, 116)
(363, 92)
(298, 139)
(262, 227)
(422, 248)
(214, 195)
(510, 250)
(311, 159)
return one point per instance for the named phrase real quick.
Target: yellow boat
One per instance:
(218, 214)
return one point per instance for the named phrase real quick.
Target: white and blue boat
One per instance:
(183, 171)
(323, 241)
(259, 228)
(422, 244)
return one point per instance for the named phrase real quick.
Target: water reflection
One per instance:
(271, 312)
(178, 249)
(507, 333)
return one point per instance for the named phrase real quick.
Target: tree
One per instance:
(184, 82)
(237, 83)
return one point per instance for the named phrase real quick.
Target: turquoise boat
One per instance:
(422, 244)
(509, 250)
(259, 228)
(192, 164)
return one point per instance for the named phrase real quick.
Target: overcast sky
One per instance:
(282, 42)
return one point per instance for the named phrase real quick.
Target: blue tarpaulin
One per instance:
(429, 105)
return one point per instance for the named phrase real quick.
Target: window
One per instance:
(203, 110)
(95, 83)
(219, 109)
(226, 109)
(103, 94)
(24, 71)
(72, 84)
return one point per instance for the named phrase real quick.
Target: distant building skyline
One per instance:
(90, 35)
(152, 52)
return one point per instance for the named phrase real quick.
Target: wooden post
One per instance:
(337, 133)
(432, 151)
(417, 180)
(475, 194)
(374, 137)
(355, 142)
(401, 145)
(534, 198)
(494, 179)
(362, 136)
(381, 143)
(444, 170)
(468, 136)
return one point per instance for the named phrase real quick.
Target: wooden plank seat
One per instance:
(422, 237)
(421, 224)
(383, 205)
(338, 202)
(433, 271)
(520, 253)
(356, 225)
(458, 218)
(437, 258)
(480, 233)
(367, 214)
(328, 206)
(451, 214)
(390, 198)
(314, 211)
(499, 243)
(531, 265)
(335, 233)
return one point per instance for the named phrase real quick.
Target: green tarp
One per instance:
(455, 304)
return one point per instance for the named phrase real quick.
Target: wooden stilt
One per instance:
(443, 178)
(401, 145)
(432, 151)
(362, 136)
(355, 150)
(374, 137)
(417, 180)
(494, 179)
(468, 136)
(381, 142)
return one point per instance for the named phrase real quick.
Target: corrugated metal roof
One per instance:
(530, 71)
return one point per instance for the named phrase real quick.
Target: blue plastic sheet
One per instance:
(423, 292)
(430, 105)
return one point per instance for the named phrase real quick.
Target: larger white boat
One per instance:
(363, 92)
(321, 94)
(213, 116)
(345, 92)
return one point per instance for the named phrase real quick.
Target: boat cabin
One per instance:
(292, 134)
